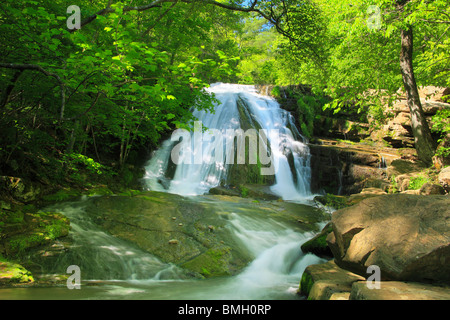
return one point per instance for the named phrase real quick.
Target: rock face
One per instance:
(191, 233)
(339, 168)
(407, 236)
(397, 131)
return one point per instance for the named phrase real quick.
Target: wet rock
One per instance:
(199, 237)
(318, 244)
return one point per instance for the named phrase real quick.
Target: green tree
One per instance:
(372, 49)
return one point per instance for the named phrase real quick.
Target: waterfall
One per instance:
(191, 163)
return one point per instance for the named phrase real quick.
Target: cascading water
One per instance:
(129, 272)
(208, 158)
(101, 256)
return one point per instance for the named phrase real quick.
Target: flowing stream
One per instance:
(112, 268)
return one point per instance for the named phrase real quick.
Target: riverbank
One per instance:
(386, 247)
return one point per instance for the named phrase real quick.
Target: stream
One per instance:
(113, 268)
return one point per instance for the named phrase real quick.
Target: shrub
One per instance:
(416, 183)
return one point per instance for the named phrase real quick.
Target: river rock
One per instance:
(407, 236)
(322, 281)
(431, 188)
(200, 239)
(396, 290)
(318, 244)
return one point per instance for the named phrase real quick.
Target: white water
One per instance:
(101, 256)
(130, 273)
(199, 177)
(115, 269)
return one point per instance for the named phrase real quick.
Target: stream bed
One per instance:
(114, 268)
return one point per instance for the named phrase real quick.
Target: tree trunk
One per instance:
(424, 143)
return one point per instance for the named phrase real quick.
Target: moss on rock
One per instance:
(13, 273)
(21, 231)
(318, 244)
(212, 263)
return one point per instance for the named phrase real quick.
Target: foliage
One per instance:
(90, 98)
(441, 125)
(416, 183)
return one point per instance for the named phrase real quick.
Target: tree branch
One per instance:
(47, 73)
(87, 110)
(157, 3)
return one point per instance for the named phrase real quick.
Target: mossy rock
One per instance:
(306, 284)
(212, 263)
(100, 191)
(62, 195)
(35, 229)
(333, 201)
(13, 273)
(318, 245)
(193, 233)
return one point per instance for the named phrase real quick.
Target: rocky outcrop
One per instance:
(191, 233)
(397, 131)
(407, 236)
(341, 168)
(19, 189)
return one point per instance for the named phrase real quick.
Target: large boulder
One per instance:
(194, 234)
(406, 236)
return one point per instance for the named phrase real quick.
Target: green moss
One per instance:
(14, 273)
(62, 195)
(318, 245)
(330, 200)
(130, 193)
(14, 217)
(244, 191)
(212, 263)
(39, 228)
(306, 284)
(100, 191)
